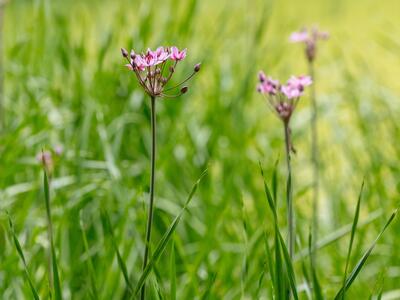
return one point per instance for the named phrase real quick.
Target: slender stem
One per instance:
(152, 178)
(314, 159)
(289, 193)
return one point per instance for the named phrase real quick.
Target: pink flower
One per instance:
(154, 69)
(295, 86)
(176, 54)
(299, 36)
(139, 62)
(58, 150)
(267, 84)
(291, 91)
(309, 37)
(44, 157)
(162, 54)
(150, 58)
(299, 82)
(283, 98)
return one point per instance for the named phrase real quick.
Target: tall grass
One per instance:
(64, 83)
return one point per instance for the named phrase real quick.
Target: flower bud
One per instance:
(124, 52)
(184, 89)
(197, 67)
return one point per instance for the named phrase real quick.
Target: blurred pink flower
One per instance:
(309, 37)
(162, 54)
(176, 54)
(58, 150)
(283, 98)
(299, 36)
(291, 91)
(267, 85)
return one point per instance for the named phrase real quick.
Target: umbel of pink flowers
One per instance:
(283, 99)
(310, 38)
(154, 69)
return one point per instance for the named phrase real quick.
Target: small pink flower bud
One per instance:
(197, 67)
(172, 69)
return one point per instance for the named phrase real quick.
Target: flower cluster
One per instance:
(309, 37)
(154, 69)
(48, 159)
(283, 98)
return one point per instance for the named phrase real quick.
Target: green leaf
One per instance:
(316, 286)
(21, 255)
(172, 275)
(92, 272)
(353, 233)
(166, 237)
(121, 263)
(279, 241)
(56, 277)
(354, 273)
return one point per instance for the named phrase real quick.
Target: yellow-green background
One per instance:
(64, 83)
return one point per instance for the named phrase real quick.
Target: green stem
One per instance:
(289, 193)
(152, 178)
(314, 159)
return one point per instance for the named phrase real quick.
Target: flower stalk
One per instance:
(152, 180)
(315, 163)
(283, 100)
(153, 70)
(289, 193)
(310, 37)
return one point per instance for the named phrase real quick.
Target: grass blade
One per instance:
(315, 283)
(353, 233)
(53, 258)
(280, 242)
(92, 272)
(354, 273)
(166, 237)
(21, 255)
(172, 276)
(121, 262)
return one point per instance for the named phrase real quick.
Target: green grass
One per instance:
(64, 83)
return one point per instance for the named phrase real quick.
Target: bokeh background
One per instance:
(63, 83)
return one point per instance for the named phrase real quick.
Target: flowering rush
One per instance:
(309, 37)
(283, 98)
(154, 69)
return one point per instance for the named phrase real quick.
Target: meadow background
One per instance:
(64, 84)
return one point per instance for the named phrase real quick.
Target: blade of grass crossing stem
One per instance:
(280, 280)
(21, 255)
(354, 273)
(172, 275)
(120, 261)
(166, 237)
(279, 241)
(56, 277)
(353, 233)
(289, 266)
(92, 272)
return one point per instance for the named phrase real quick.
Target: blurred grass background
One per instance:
(64, 83)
